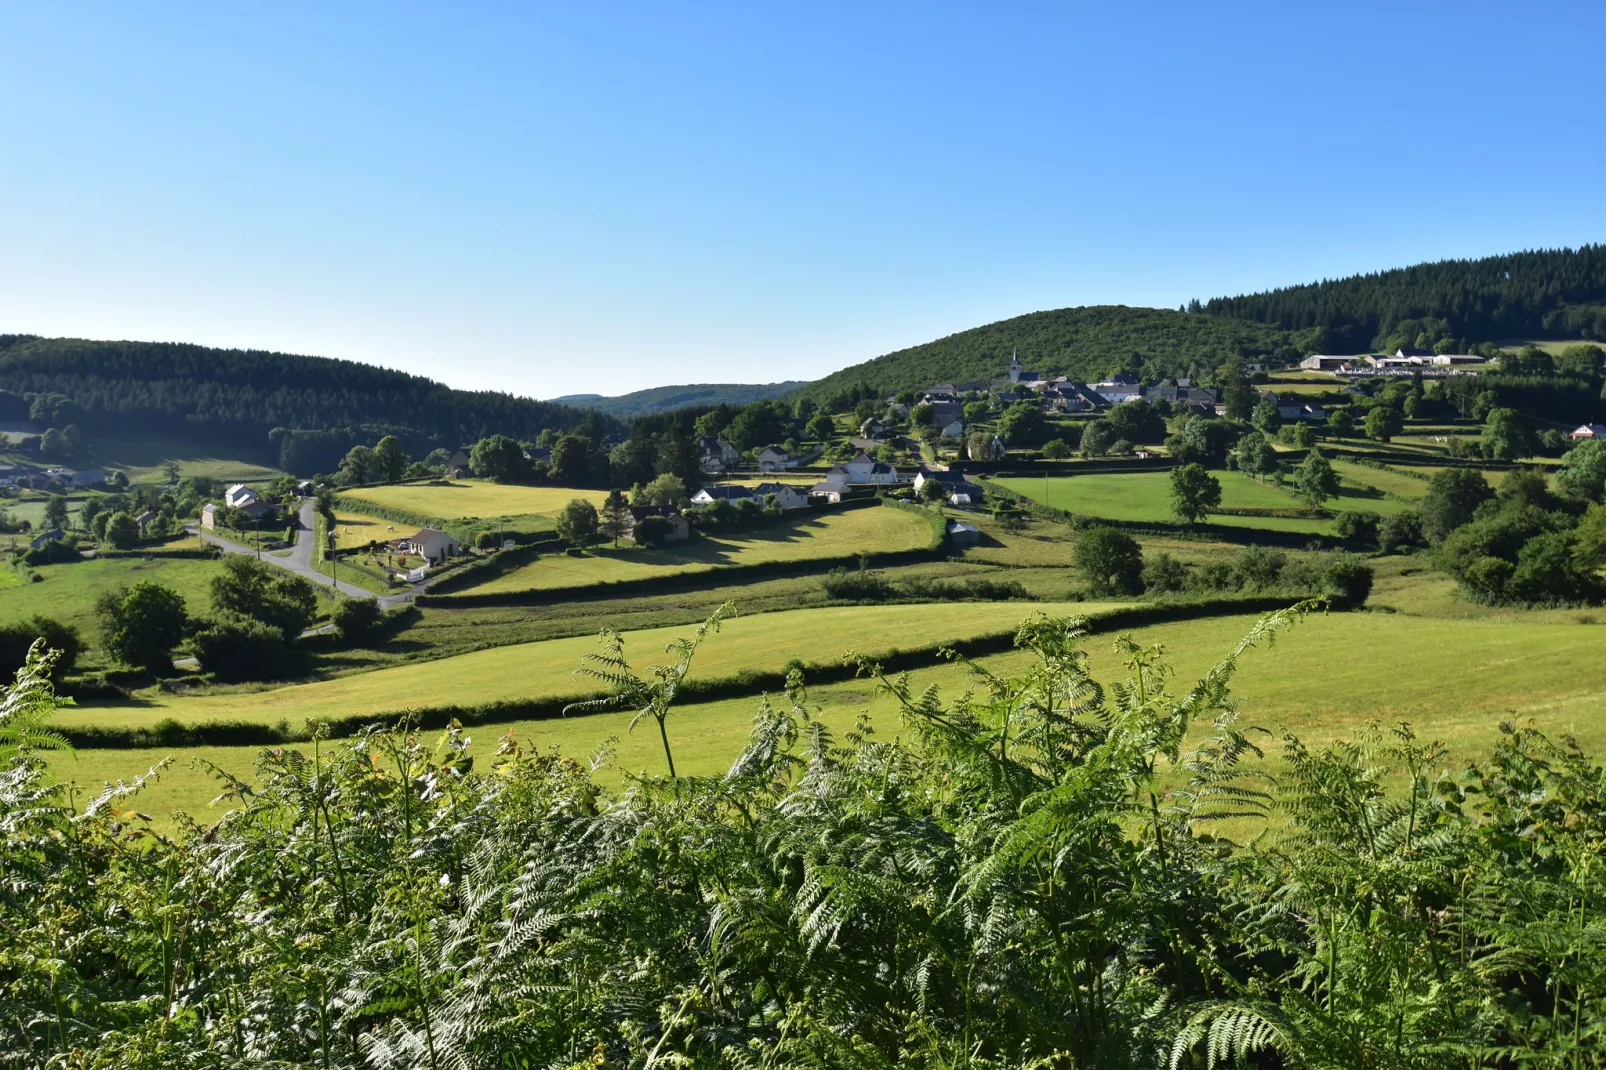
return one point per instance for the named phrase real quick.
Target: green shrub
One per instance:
(238, 648)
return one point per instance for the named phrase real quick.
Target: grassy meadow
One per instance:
(464, 498)
(1457, 680)
(761, 642)
(817, 536)
(68, 592)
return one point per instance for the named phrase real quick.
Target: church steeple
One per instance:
(1014, 366)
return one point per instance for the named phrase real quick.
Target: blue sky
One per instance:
(602, 197)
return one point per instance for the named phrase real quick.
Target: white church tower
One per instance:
(1014, 366)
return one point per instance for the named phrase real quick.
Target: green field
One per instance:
(68, 592)
(1456, 680)
(823, 535)
(528, 670)
(1145, 497)
(355, 529)
(474, 498)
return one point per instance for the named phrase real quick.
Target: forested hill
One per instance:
(1086, 342)
(1558, 293)
(670, 398)
(236, 397)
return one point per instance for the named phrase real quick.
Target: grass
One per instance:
(1460, 678)
(1145, 497)
(68, 592)
(823, 535)
(474, 498)
(528, 670)
(355, 529)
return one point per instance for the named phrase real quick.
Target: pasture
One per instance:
(760, 642)
(1458, 680)
(1145, 497)
(356, 529)
(68, 592)
(816, 536)
(460, 499)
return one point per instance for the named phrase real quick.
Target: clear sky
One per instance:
(598, 197)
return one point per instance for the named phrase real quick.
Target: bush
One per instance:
(1358, 528)
(238, 648)
(1165, 574)
(355, 619)
(858, 586)
(19, 636)
(1399, 532)
(651, 531)
(1349, 581)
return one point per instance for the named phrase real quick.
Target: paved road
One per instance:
(299, 561)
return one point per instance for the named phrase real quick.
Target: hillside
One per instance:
(1559, 293)
(1087, 342)
(670, 398)
(234, 398)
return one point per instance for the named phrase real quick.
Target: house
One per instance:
(239, 496)
(1292, 409)
(721, 492)
(1118, 388)
(88, 477)
(432, 544)
(717, 454)
(44, 537)
(862, 469)
(1457, 360)
(830, 489)
(458, 466)
(209, 516)
(1418, 356)
(1181, 392)
(953, 429)
(1588, 431)
(1074, 397)
(786, 495)
(995, 449)
(305, 489)
(952, 482)
(871, 428)
(963, 500)
(144, 520)
(774, 459)
(963, 534)
(538, 453)
(679, 529)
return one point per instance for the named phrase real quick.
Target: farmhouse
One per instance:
(209, 516)
(830, 490)
(871, 428)
(432, 544)
(774, 459)
(1589, 431)
(717, 454)
(953, 429)
(862, 469)
(458, 466)
(786, 495)
(239, 496)
(1118, 388)
(721, 492)
(953, 482)
(679, 529)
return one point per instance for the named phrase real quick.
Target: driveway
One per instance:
(299, 560)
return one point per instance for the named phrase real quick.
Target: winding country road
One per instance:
(299, 560)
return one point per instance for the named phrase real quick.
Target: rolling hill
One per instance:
(315, 408)
(670, 398)
(1086, 342)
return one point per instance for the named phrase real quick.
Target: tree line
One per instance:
(1551, 293)
(236, 397)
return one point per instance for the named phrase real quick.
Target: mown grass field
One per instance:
(875, 530)
(527, 670)
(68, 592)
(474, 498)
(1456, 680)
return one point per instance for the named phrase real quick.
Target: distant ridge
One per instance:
(669, 398)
